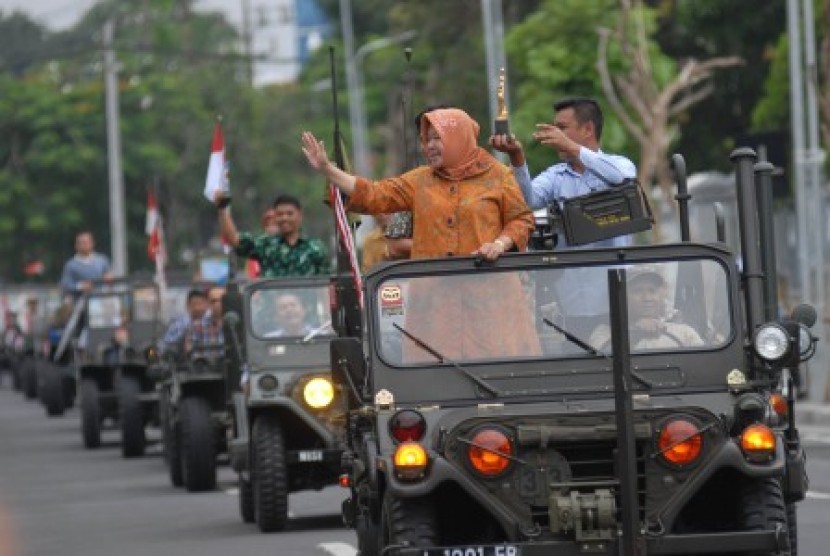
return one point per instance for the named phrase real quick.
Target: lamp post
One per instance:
(357, 104)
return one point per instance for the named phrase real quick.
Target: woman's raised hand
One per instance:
(315, 152)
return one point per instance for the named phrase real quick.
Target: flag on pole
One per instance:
(155, 237)
(151, 226)
(217, 173)
(344, 232)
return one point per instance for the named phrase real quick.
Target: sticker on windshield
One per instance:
(391, 300)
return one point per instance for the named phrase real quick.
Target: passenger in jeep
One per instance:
(651, 326)
(291, 317)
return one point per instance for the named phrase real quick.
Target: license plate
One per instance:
(491, 550)
(309, 455)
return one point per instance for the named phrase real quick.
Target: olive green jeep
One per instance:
(590, 401)
(288, 421)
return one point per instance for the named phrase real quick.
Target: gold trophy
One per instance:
(502, 125)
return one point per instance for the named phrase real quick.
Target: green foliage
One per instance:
(553, 55)
(772, 112)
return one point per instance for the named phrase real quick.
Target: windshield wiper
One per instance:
(593, 351)
(316, 332)
(442, 359)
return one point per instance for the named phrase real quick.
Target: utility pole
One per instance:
(357, 113)
(492, 22)
(807, 173)
(247, 37)
(118, 216)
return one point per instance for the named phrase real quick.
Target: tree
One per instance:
(651, 93)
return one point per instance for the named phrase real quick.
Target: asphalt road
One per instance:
(64, 500)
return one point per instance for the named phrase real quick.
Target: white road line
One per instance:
(818, 495)
(337, 548)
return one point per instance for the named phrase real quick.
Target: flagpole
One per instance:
(348, 287)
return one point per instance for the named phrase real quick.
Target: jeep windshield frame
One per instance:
(305, 301)
(701, 363)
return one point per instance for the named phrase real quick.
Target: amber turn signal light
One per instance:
(488, 452)
(758, 443)
(779, 404)
(410, 460)
(680, 442)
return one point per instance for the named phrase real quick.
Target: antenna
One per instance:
(406, 109)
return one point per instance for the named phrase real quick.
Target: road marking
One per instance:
(337, 548)
(232, 491)
(818, 495)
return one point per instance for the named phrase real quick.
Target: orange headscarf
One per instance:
(459, 134)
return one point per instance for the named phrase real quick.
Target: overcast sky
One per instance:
(60, 14)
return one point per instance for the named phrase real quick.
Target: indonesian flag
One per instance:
(152, 226)
(34, 268)
(155, 238)
(217, 173)
(344, 232)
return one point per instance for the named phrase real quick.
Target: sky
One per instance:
(60, 14)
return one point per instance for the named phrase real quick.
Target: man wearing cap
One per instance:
(648, 318)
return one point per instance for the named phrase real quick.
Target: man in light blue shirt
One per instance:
(85, 268)
(575, 135)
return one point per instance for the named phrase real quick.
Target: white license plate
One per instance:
(492, 550)
(310, 455)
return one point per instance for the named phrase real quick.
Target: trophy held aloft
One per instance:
(502, 126)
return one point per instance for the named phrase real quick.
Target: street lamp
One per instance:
(357, 107)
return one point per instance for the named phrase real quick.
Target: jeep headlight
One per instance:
(318, 393)
(772, 342)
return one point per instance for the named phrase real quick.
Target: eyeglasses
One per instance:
(216, 300)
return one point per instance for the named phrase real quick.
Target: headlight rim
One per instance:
(769, 327)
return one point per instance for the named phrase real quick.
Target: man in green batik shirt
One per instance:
(287, 254)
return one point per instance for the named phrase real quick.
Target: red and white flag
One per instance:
(155, 237)
(217, 172)
(344, 232)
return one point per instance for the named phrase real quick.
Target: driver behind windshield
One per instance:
(291, 317)
(651, 323)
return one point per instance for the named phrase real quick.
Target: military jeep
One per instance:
(591, 401)
(194, 401)
(288, 429)
(110, 361)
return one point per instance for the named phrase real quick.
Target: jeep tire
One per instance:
(198, 445)
(408, 520)
(170, 443)
(762, 508)
(246, 501)
(52, 394)
(90, 413)
(269, 476)
(28, 377)
(131, 417)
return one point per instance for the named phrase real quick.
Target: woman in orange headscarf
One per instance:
(463, 202)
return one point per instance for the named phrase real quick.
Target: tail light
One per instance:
(758, 443)
(407, 425)
(410, 460)
(490, 452)
(680, 442)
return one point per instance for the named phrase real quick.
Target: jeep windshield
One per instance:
(475, 316)
(295, 313)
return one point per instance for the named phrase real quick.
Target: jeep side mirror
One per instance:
(348, 366)
(805, 314)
